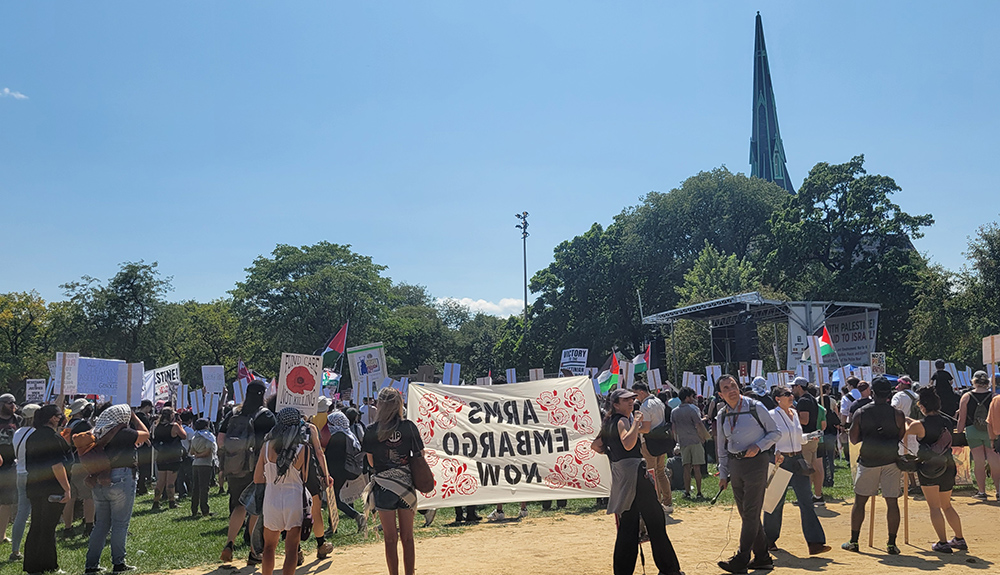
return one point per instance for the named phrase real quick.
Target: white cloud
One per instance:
(8, 93)
(507, 307)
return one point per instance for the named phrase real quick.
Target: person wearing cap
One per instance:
(746, 433)
(973, 410)
(808, 410)
(632, 493)
(23, 503)
(80, 412)
(653, 416)
(9, 422)
(758, 391)
(905, 400)
(879, 427)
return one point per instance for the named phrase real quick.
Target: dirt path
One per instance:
(581, 545)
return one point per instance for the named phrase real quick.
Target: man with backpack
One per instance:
(973, 412)
(241, 434)
(345, 460)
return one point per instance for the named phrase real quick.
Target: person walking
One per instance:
(879, 427)
(144, 458)
(691, 434)
(23, 503)
(121, 432)
(944, 385)
(343, 459)
(204, 453)
(282, 467)
(788, 447)
(905, 400)
(167, 436)
(937, 470)
(10, 421)
(389, 443)
(633, 495)
(746, 431)
(80, 413)
(993, 429)
(654, 416)
(973, 412)
(45, 455)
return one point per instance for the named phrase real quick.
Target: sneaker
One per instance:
(208, 514)
(851, 546)
(668, 509)
(254, 558)
(93, 570)
(941, 547)
(302, 556)
(362, 521)
(123, 568)
(892, 549)
(495, 516)
(687, 496)
(523, 513)
(959, 544)
(817, 548)
(473, 518)
(156, 506)
(699, 497)
(431, 513)
(15, 556)
(172, 504)
(818, 500)
(765, 563)
(733, 565)
(980, 496)
(227, 553)
(324, 550)
(459, 518)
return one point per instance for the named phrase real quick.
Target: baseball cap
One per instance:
(881, 386)
(800, 381)
(7, 398)
(619, 394)
(28, 411)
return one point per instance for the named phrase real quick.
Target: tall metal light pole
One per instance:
(523, 226)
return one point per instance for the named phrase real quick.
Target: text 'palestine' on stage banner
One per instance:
(510, 443)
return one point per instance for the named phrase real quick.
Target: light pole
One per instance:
(523, 226)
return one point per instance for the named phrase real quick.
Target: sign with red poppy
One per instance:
(299, 382)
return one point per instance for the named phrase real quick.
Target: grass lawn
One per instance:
(170, 539)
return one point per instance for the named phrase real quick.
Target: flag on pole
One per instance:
(641, 362)
(242, 372)
(609, 379)
(825, 343)
(339, 341)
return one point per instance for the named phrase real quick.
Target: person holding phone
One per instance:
(47, 487)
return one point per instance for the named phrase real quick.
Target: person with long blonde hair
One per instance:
(389, 443)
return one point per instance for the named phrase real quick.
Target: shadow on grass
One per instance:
(927, 560)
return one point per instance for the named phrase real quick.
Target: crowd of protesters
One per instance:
(281, 471)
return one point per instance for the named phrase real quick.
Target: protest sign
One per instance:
(512, 375)
(519, 442)
(626, 376)
(878, 364)
(212, 406)
(67, 364)
(214, 378)
(484, 381)
(162, 377)
(299, 382)
(240, 391)
(536, 373)
(991, 349)
(853, 337)
(574, 360)
(925, 371)
(97, 376)
(181, 400)
(451, 374)
(34, 391)
(654, 379)
(131, 379)
(367, 363)
(713, 373)
(197, 402)
(756, 368)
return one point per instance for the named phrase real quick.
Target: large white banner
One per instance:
(574, 360)
(853, 338)
(505, 444)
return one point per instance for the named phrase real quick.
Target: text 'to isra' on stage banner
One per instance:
(510, 443)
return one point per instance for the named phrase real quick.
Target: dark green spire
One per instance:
(767, 154)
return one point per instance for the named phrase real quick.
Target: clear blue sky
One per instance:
(201, 134)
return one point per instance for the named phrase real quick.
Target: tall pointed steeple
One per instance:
(767, 154)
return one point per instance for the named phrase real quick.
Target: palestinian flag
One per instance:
(825, 343)
(339, 341)
(641, 362)
(608, 380)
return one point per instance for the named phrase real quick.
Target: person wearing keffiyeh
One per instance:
(342, 437)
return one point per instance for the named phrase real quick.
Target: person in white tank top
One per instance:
(282, 468)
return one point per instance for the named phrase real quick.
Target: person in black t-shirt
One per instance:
(122, 432)
(9, 422)
(942, 381)
(45, 453)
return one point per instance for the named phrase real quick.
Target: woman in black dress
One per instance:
(167, 436)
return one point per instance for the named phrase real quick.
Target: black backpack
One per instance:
(981, 413)
(238, 449)
(353, 460)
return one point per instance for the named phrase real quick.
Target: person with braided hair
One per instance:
(281, 466)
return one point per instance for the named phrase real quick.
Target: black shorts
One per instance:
(945, 482)
(236, 487)
(386, 500)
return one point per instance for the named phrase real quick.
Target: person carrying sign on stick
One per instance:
(632, 492)
(879, 427)
(746, 432)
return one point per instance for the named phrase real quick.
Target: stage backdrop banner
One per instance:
(510, 443)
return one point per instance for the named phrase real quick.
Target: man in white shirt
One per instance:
(850, 395)
(654, 415)
(905, 400)
(368, 412)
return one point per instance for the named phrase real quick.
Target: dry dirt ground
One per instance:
(581, 545)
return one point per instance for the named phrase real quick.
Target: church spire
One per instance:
(767, 154)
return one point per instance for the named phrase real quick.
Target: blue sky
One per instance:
(201, 134)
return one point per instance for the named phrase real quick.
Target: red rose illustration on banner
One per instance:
(299, 380)
(591, 477)
(555, 480)
(437, 413)
(431, 456)
(575, 399)
(456, 480)
(583, 423)
(559, 416)
(583, 451)
(548, 400)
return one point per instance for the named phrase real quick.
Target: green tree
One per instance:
(22, 319)
(981, 279)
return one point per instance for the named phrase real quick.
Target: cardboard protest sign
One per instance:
(878, 364)
(214, 378)
(299, 382)
(451, 374)
(67, 364)
(991, 349)
(512, 375)
(484, 381)
(756, 368)
(34, 391)
(131, 379)
(240, 391)
(97, 376)
(574, 360)
(519, 442)
(367, 363)
(197, 401)
(654, 379)
(925, 371)
(162, 377)
(212, 406)
(536, 373)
